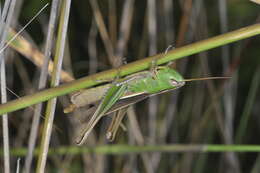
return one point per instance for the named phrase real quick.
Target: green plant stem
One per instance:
(130, 68)
(128, 149)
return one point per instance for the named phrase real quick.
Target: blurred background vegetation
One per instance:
(204, 112)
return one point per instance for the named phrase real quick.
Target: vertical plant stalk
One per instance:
(153, 102)
(5, 120)
(121, 46)
(168, 21)
(103, 33)
(51, 105)
(168, 119)
(42, 85)
(112, 18)
(152, 31)
(125, 27)
(136, 131)
(109, 48)
(126, 24)
(243, 123)
(229, 92)
(5, 22)
(187, 6)
(92, 48)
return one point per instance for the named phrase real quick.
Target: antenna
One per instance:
(205, 78)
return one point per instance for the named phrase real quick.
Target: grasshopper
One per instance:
(123, 93)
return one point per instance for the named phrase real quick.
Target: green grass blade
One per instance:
(130, 68)
(131, 149)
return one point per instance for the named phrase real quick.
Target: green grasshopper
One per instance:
(123, 93)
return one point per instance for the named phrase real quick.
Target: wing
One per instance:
(122, 103)
(111, 97)
(115, 103)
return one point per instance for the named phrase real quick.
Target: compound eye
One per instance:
(174, 82)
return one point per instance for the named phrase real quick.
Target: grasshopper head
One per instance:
(172, 77)
(176, 79)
